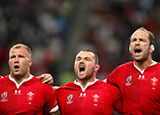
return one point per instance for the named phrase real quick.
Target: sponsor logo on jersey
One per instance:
(17, 92)
(141, 77)
(4, 96)
(154, 82)
(69, 99)
(128, 81)
(82, 95)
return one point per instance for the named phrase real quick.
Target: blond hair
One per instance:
(17, 46)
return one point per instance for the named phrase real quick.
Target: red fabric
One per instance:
(97, 99)
(140, 90)
(32, 97)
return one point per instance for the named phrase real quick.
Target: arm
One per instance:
(117, 103)
(55, 87)
(46, 78)
(55, 113)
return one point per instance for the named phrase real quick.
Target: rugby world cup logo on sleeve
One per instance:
(4, 96)
(69, 99)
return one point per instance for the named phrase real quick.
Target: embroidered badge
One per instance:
(128, 80)
(4, 96)
(95, 98)
(69, 99)
(30, 97)
(154, 82)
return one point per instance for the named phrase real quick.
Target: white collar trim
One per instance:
(154, 63)
(24, 80)
(88, 84)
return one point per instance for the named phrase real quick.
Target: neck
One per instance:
(20, 78)
(84, 82)
(144, 64)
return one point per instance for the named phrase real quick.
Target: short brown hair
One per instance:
(96, 56)
(150, 34)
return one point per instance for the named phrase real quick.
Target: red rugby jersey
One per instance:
(140, 89)
(29, 97)
(96, 98)
(1, 76)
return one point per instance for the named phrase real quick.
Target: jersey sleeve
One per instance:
(117, 99)
(50, 99)
(113, 78)
(112, 99)
(1, 76)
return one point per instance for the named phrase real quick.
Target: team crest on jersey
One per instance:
(128, 81)
(30, 97)
(69, 99)
(95, 98)
(4, 96)
(154, 82)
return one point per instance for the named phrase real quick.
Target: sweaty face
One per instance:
(84, 65)
(139, 44)
(19, 62)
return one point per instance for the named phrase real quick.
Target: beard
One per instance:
(143, 58)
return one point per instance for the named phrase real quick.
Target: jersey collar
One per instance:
(24, 80)
(88, 84)
(154, 63)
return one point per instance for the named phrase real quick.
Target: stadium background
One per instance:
(57, 29)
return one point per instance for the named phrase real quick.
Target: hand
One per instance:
(46, 78)
(55, 87)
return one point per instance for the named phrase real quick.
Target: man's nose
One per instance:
(137, 42)
(16, 59)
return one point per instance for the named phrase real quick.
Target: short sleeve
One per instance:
(50, 99)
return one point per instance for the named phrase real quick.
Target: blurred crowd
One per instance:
(41, 24)
(111, 24)
(44, 25)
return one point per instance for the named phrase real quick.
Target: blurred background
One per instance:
(57, 29)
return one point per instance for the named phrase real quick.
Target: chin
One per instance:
(16, 74)
(81, 78)
(140, 60)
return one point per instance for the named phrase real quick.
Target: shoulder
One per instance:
(121, 69)
(1, 76)
(43, 87)
(100, 82)
(68, 85)
(109, 87)
(157, 65)
(125, 65)
(4, 78)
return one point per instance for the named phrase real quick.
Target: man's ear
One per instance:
(129, 48)
(152, 48)
(30, 62)
(97, 67)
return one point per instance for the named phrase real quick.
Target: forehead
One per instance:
(85, 54)
(21, 51)
(140, 34)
